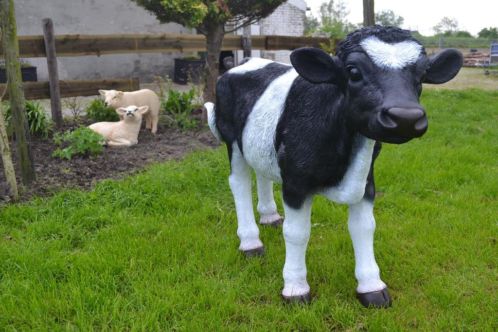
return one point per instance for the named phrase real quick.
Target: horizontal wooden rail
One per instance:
(41, 90)
(78, 45)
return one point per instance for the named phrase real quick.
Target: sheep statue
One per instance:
(313, 127)
(144, 97)
(124, 132)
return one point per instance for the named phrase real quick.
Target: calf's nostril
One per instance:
(421, 125)
(385, 120)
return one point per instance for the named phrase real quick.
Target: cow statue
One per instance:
(313, 127)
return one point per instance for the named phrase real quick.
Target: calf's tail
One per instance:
(211, 117)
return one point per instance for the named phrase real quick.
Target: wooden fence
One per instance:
(51, 46)
(79, 45)
(70, 88)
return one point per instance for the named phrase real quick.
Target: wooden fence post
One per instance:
(246, 42)
(53, 73)
(10, 47)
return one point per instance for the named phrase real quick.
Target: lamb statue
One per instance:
(144, 97)
(124, 132)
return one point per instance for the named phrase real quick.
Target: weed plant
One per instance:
(38, 122)
(98, 111)
(82, 141)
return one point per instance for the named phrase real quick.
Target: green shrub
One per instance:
(179, 107)
(38, 122)
(98, 111)
(82, 141)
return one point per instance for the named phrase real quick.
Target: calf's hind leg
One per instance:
(240, 184)
(266, 203)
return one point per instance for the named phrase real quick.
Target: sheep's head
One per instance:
(132, 113)
(112, 98)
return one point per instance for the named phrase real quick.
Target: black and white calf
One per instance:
(313, 127)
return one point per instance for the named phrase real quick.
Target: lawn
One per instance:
(469, 78)
(158, 250)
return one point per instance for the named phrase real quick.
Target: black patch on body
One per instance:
(314, 142)
(370, 186)
(236, 95)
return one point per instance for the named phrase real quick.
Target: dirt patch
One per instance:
(54, 174)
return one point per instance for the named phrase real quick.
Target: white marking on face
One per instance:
(352, 186)
(394, 56)
(252, 64)
(259, 132)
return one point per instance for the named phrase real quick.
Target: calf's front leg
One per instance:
(297, 227)
(371, 290)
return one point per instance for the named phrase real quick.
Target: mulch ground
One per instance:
(54, 174)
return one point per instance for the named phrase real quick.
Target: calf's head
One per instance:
(380, 71)
(132, 113)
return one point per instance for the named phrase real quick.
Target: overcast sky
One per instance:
(423, 15)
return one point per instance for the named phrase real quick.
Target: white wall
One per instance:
(97, 17)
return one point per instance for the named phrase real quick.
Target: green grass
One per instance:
(158, 251)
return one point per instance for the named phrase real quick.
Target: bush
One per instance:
(38, 122)
(98, 111)
(82, 141)
(179, 107)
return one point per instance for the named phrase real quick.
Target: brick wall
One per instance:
(286, 20)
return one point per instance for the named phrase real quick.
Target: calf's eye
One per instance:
(354, 73)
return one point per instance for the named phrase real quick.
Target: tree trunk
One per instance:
(214, 39)
(368, 13)
(8, 166)
(15, 89)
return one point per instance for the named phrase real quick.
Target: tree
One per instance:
(333, 20)
(311, 24)
(389, 18)
(368, 13)
(210, 18)
(15, 89)
(8, 166)
(462, 34)
(447, 26)
(490, 33)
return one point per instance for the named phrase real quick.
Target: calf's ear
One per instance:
(121, 111)
(143, 109)
(102, 92)
(443, 66)
(316, 66)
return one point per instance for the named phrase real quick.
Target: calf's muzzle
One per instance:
(405, 122)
